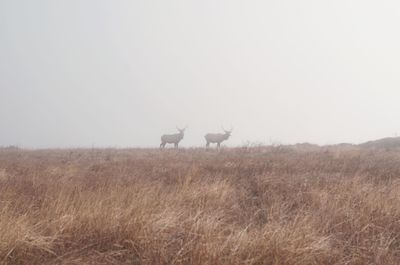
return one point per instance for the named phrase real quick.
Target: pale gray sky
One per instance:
(121, 73)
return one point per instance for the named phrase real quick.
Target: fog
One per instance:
(82, 73)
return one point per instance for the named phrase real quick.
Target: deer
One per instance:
(217, 137)
(173, 138)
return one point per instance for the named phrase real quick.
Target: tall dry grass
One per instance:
(237, 206)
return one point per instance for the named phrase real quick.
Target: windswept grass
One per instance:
(236, 206)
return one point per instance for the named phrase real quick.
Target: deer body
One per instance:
(217, 138)
(172, 138)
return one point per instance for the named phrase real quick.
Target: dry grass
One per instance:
(236, 206)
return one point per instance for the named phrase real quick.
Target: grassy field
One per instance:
(261, 205)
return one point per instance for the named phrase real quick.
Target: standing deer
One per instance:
(217, 137)
(173, 138)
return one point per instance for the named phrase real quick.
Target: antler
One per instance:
(227, 130)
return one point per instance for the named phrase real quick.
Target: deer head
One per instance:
(227, 132)
(181, 131)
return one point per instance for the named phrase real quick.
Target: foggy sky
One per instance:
(119, 73)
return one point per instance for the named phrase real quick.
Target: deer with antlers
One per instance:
(173, 138)
(217, 137)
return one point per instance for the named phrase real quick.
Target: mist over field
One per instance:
(199, 132)
(122, 73)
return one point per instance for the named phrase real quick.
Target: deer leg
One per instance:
(176, 145)
(208, 144)
(218, 144)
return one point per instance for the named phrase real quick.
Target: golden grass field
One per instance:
(259, 205)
